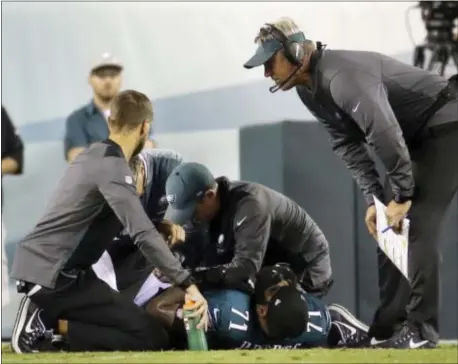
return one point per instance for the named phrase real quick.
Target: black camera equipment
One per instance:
(440, 19)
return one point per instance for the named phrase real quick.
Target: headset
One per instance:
(294, 52)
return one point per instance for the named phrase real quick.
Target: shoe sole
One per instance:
(349, 316)
(19, 324)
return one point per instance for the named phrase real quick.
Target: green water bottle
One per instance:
(197, 340)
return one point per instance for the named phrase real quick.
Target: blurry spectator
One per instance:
(89, 123)
(12, 163)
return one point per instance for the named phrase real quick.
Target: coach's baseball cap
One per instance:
(106, 60)
(184, 188)
(287, 313)
(267, 49)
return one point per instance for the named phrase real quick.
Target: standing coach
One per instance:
(95, 199)
(409, 118)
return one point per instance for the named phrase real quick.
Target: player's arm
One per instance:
(251, 233)
(116, 184)
(165, 307)
(364, 98)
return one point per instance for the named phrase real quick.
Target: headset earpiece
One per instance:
(294, 51)
(298, 52)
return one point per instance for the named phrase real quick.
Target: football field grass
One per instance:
(443, 354)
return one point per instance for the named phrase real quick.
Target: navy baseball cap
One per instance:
(184, 188)
(267, 50)
(287, 313)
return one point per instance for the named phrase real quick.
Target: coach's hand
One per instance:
(371, 221)
(200, 307)
(172, 233)
(395, 213)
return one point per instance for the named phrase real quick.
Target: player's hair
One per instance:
(129, 109)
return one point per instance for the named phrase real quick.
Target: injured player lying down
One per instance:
(279, 315)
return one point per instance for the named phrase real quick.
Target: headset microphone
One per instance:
(319, 46)
(278, 86)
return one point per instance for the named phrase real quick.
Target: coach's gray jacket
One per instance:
(365, 98)
(94, 200)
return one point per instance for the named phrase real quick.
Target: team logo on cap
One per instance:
(171, 198)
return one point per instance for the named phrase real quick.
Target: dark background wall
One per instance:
(295, 158)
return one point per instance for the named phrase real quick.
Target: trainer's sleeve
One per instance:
(364, 98)
(251, 233)
(116, 184)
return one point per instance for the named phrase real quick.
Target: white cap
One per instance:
(106, 60)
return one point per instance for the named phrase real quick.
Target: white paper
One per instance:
(395, 246)
(105, 271)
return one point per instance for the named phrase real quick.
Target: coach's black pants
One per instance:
(99, 318)
(435, 168)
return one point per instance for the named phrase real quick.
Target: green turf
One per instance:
(443, 354)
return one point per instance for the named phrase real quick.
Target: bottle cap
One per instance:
(189, 304)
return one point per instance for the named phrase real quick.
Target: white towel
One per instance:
(149, 289)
